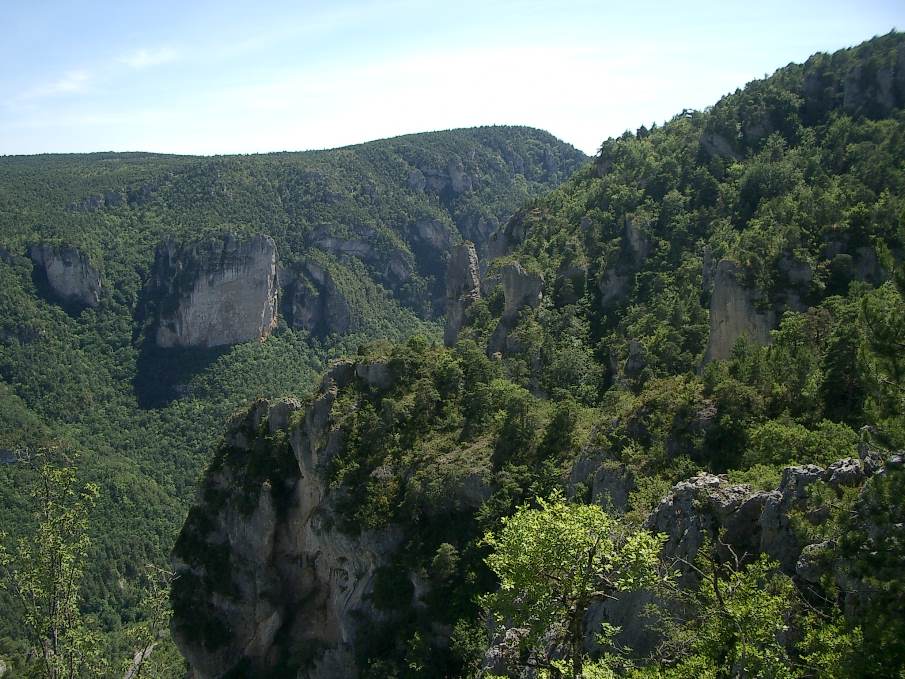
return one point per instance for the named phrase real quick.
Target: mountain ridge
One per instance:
(90, 380)
(693, 332)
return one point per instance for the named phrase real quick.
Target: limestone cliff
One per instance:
(265, 577)
(213, 293)
(635, 247)
(68, 273)
(733, 313)
(316, 303)
(451, 179)
(521, 288)
(463, 287)
(272, 577)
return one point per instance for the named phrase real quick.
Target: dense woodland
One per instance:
(797, 179)
(141, 422)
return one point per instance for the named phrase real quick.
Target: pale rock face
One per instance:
(733, 313)
(717, 145)
(393, 266)
(613, 286)
(463, 288)
(375, 375)
(433, 233)
(798, 273)
(360, 247)
(876, 92)
(215, 293)
(615, 282)
(508, 237)
(521, 288)
(609, 481)
(638, 241)
(69, 274)
(459, 181)
(453, 178)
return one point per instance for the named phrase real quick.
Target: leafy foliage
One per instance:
(554, 562)
(87, 379)
(44, 574)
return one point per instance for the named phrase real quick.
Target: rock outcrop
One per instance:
(274, 572)
(463, 287)
(613, 286)
(636, 237)
(733, 313)
(876, 89)
(452, 179)
(213, 293)
(607, 481)
(317, 304)
(615, 281)
(741, 522)
(263, 570)
(133, 197)
(68, 274)
(521, 288)
(715, 144)
(509, 236)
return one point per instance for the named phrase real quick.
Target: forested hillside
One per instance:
(700, 333)
(97, 252)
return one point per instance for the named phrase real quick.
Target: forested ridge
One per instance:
(698, 333)
(88, 382)
(665, 440)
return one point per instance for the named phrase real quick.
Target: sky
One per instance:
(202, 77)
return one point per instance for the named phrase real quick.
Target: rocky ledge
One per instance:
(742, 523)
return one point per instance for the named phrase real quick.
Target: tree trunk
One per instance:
(576, 634)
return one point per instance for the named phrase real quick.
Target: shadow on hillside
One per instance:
(164, 375)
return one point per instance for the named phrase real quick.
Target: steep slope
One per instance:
(130, 284)
(701, 332)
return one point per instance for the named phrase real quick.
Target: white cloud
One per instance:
(578, 92)
(73, 82)
(145, 57)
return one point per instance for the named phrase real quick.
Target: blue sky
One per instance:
(242, 77)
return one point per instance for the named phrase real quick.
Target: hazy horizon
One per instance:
(223, 79)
